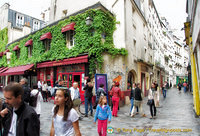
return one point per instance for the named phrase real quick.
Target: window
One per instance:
(17, 53)
(30, 48)
(19, 20)
(47, 44)
(36, 25)
(70, 39)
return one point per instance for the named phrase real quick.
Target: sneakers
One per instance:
(86, 115)
(151, 117)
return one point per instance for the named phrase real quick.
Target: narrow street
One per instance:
(175, 112)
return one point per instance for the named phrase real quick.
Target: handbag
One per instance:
(149, 102)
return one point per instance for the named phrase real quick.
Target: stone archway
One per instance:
(131, 79)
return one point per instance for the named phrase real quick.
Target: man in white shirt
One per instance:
(75, 95)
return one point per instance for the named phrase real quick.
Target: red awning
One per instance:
(16, 48)
(17, 70)
(46, 36)
(68, 27)
(76, 60)
(1, 54)
(29, 42)
(6, 51)
(2, 70)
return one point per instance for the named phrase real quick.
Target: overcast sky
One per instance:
(173, 10)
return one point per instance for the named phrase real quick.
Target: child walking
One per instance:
(103, 114)
(65, 118)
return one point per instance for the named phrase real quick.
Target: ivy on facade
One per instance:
(3, 43)
(87, 40)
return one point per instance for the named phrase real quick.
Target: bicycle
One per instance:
(81, 108)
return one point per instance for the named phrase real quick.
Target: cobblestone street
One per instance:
(175, 112)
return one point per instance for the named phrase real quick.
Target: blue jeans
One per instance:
(185, 89)
(88, 101)
(164, 93)
(132, 104)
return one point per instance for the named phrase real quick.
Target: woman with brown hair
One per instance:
(65, 118)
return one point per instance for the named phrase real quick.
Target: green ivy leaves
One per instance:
(88, 39)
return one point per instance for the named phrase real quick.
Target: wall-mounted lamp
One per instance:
(88, 21)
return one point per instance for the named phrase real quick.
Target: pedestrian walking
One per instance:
(179, 87)
(27, 90)
(44, 91)
(116, 94)
(36, 97)
(39, 84)
(88, 97)
(132, 98)
(100, 92)
(153, 97)
(75, 96)
(185, 87)
(65, 118)
(138, 101)
(18, 118)
(103, 114)
(164, 89)
(113, 85)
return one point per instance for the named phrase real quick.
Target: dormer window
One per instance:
(46, 39)
(36, 25)
(19, 20)
(69, 32)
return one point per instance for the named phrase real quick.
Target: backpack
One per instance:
(33, 100)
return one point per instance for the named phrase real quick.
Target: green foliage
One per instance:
(3, 38)
(88, 39)
(3, 43)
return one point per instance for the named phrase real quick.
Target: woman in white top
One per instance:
(65, 118)
(44, 91)
(153, 97)
(35, 92)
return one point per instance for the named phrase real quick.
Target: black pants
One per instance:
(151, 108)
(44, 94)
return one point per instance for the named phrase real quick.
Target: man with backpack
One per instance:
(100, 92)
(27, 90)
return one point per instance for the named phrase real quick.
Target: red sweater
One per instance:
(116, 92)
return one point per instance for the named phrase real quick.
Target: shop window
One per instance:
(19, 20)
(30, 48)
(47, 44)
(70, 39)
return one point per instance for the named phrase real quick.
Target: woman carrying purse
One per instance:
(152, 100)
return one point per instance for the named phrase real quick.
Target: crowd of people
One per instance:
(20, 113)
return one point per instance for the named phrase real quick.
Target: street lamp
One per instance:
(88, 21)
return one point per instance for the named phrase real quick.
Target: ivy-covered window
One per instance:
(70, 39)
(30, 48)
(47, 44)
(17, 53)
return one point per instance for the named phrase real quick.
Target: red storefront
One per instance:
(69, 70)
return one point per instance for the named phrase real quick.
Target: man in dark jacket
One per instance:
(138, 95)
(88, 97)
(27, 90)
(18, 118)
